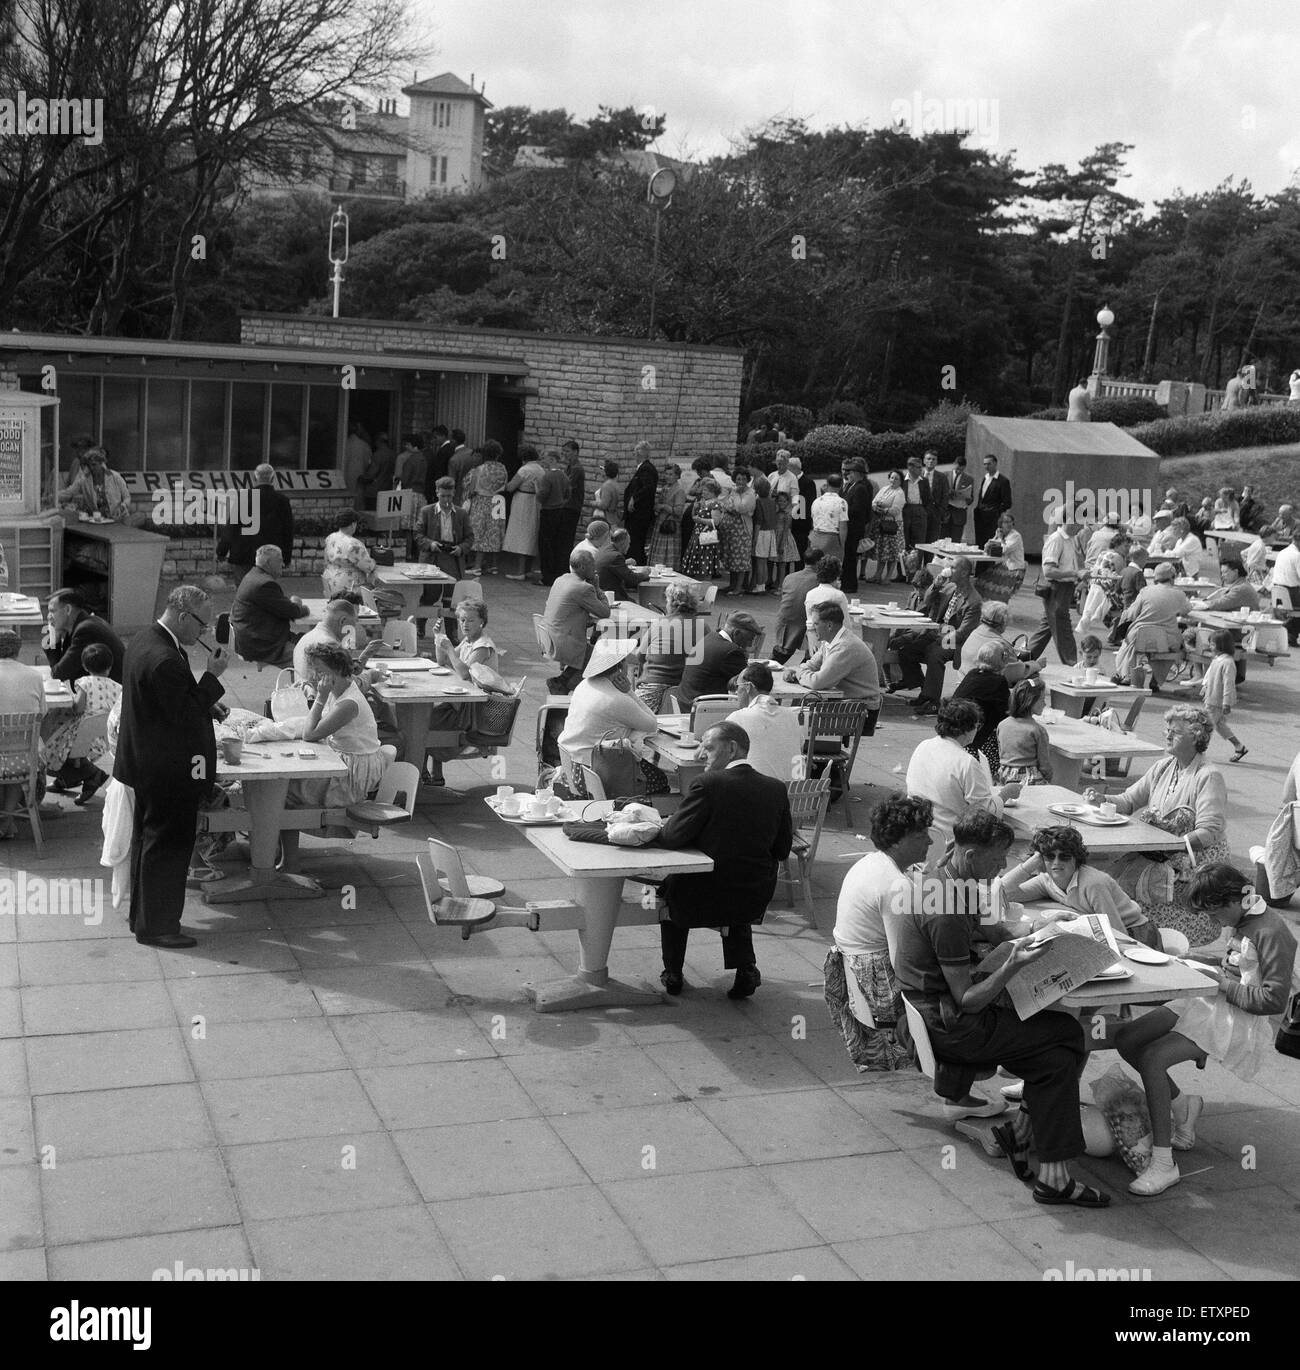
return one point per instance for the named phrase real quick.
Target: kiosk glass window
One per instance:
(286, 426)
(77, 423)
(123, 400)
(247, 411)
(323, 428)
(207, 425)
(165, 437)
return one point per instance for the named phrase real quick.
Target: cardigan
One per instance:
(1200, 787)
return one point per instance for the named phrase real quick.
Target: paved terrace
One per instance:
(372, 1099)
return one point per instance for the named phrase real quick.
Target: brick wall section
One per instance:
(608, 393)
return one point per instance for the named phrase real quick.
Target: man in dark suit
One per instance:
(719, 658)
(992, 498)
(262, 612)
(858, 494)
(166, 752)
(742, 820)
(612, 570)
(72, 630)
(439, 449)
(270, 524)
(791, 618)
(936, 515)
(954, 602)
(639, 501)
(801, 507)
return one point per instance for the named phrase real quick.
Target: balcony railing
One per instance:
(386, 187)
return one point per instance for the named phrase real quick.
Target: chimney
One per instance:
(471, 80)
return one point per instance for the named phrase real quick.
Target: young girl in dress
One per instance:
(1236, 1027)
(1022, 739)
(96, 696)
(1219, 689)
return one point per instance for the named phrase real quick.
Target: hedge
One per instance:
(1271, 425)
(791, 419)
(1122, 410)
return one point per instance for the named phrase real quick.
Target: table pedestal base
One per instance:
(262, 884)
(578, 992)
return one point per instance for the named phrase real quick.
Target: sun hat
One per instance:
(607, 654)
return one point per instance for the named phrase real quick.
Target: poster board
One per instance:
(20, 451)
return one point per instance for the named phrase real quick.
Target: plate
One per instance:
(549, 821)
(1068, 810)
(1115, 972)
(455, 690)
(439, 670)
(1147, 956)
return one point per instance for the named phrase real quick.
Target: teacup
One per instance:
(536, 808)
(1092, 675)
(510, 805)
(505, 791)
(232, 750)
(892, 605)
(690, 740)
(1108, 809)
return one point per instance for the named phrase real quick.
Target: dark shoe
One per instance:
(672, 981)
(924, 707)
(748, 980)
(87, 792)
(172, 940)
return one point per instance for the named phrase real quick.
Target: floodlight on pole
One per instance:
(659, 194)
(338, 251)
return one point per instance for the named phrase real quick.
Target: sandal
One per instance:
(1016, 1152)
(1078, 1195)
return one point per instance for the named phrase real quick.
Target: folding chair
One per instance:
(20, 768)
(394, 800)
(402, 635)
(449, 901)
(809, 800)
(844, 722)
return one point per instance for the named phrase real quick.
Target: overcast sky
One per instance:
(1204, 91)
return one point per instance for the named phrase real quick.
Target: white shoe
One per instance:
(1184, 1138)
(1014, 1093)
(986, 1108)
(1155, 1179)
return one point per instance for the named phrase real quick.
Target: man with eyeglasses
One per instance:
(167, 754)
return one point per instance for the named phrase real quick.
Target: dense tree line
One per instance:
(864, 272)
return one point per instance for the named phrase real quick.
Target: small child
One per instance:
(787, 553)
(1090, 650)
(1219, 689)
(1256, 978)
(1022, 740)
(96, 697)
(765, 567)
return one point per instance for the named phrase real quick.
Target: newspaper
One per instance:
(1077, 951)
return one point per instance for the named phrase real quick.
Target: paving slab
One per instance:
(269, 1108)
(273, 1046)
(20, 1208)
(406, 1037)
(129, 1196)
(52, 1009)
(436, 1093)
(382, 1244)
(107, 1060)
(569, 1082)
(801, 1126)
(115, 1122)
(242, 998)
(465, 1160)
(221, 1253)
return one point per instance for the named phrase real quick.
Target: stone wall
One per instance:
(608, 393)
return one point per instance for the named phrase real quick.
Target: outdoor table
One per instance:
(1030, 812)
(1218, 618)
(877, 625)
(414, 701)
(1189, 584)
(666, 750)
(59, 694)
(1073, 742)
(408, 579)
(598, 873)
(1245, 539)
(791, 692)
(1147, 985)
(265, 773)
(1069, 692)
(651, 592)
(949, 550)
(22, 612)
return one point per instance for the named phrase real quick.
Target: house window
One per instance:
(442, 171)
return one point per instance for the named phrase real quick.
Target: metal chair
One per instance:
(595, 786)
(710, 709)
(843, 722)
(20, 768)
(809, 800)
(670, 704)
(394, 800)
(449, 901)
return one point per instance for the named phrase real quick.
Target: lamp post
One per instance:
(338, 250)
(659, 194)
(1101, 357)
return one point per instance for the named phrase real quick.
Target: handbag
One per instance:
(288, 701)
(709, 538)
(668, 524)
(615, 765)
(888, 524)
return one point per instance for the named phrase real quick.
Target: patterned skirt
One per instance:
(885, 1046)
(665, 548)
(701, 562)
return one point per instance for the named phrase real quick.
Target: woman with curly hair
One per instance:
(1185, 795)
(1058, 870)
(667, 643)
(485, 484)
(701, 558)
